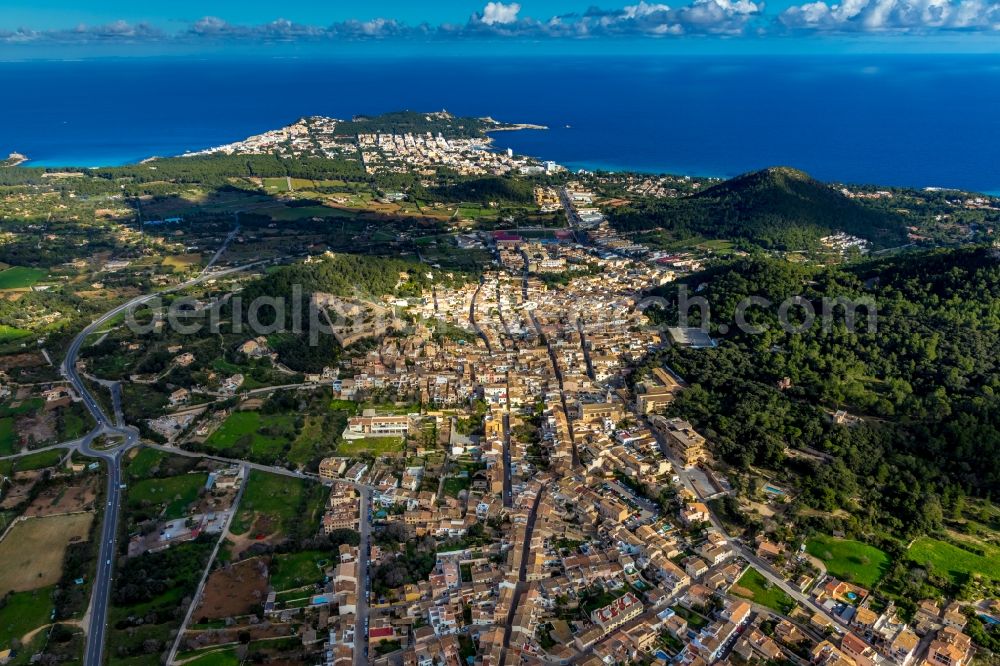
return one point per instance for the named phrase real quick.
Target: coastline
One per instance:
(15, 159)
(571, 165)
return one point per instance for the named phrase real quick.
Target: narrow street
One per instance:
(364, 579)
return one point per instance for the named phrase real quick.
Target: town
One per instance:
(500, 450)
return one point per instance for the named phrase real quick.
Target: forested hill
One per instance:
(777, 208)
(924, 385)
(356, 276)
(351, 276)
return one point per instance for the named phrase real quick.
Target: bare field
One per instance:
(32, 552)
(65, 499)
(233, 591)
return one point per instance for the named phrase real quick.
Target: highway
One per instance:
(101, 595)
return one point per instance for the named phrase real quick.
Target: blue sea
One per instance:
(895, 120)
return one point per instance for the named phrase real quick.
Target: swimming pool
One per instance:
(773, 490)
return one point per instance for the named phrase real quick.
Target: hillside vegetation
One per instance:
(925, 383)
(778, 208)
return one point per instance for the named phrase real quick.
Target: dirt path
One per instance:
(28, 637)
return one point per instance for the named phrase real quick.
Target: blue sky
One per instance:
(56, 28)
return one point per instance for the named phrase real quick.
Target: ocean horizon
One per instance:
(915, 121)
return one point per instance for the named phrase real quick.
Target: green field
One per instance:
(261, 435)
(274, 499)
(294, 570)
(39, 460)
(312, 441)
(23, 407)
(74, 422)
(8, 439)
(759, 590)
(284, 214)
(376, 446)
(848, 560)
(454, 485)
(145, 461)
(175, 493)
(23, 612)
(954, 562)
(20, 277)
(9, 333)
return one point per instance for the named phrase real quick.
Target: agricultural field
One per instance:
(852, 561)
(290, 571)
(260, 436)
(20, 277)
(174, 493)
(752, 585)
(32, 552)
(181, 263)
(376, 446)
(455, 485)
(954, 562)
(233, 591)
(310, 440)
(20, 407)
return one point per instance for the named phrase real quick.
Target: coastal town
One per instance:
(570, 521)
(500, 450)
(467, 153)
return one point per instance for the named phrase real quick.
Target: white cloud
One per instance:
(504, 20)
(497, 13)
(894, 15)
(116, 31)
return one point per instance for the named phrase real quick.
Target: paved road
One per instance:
(283, 471)
(508, 497)
(101, 595)
(522, 575)
(472, 315)
(364, 577)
